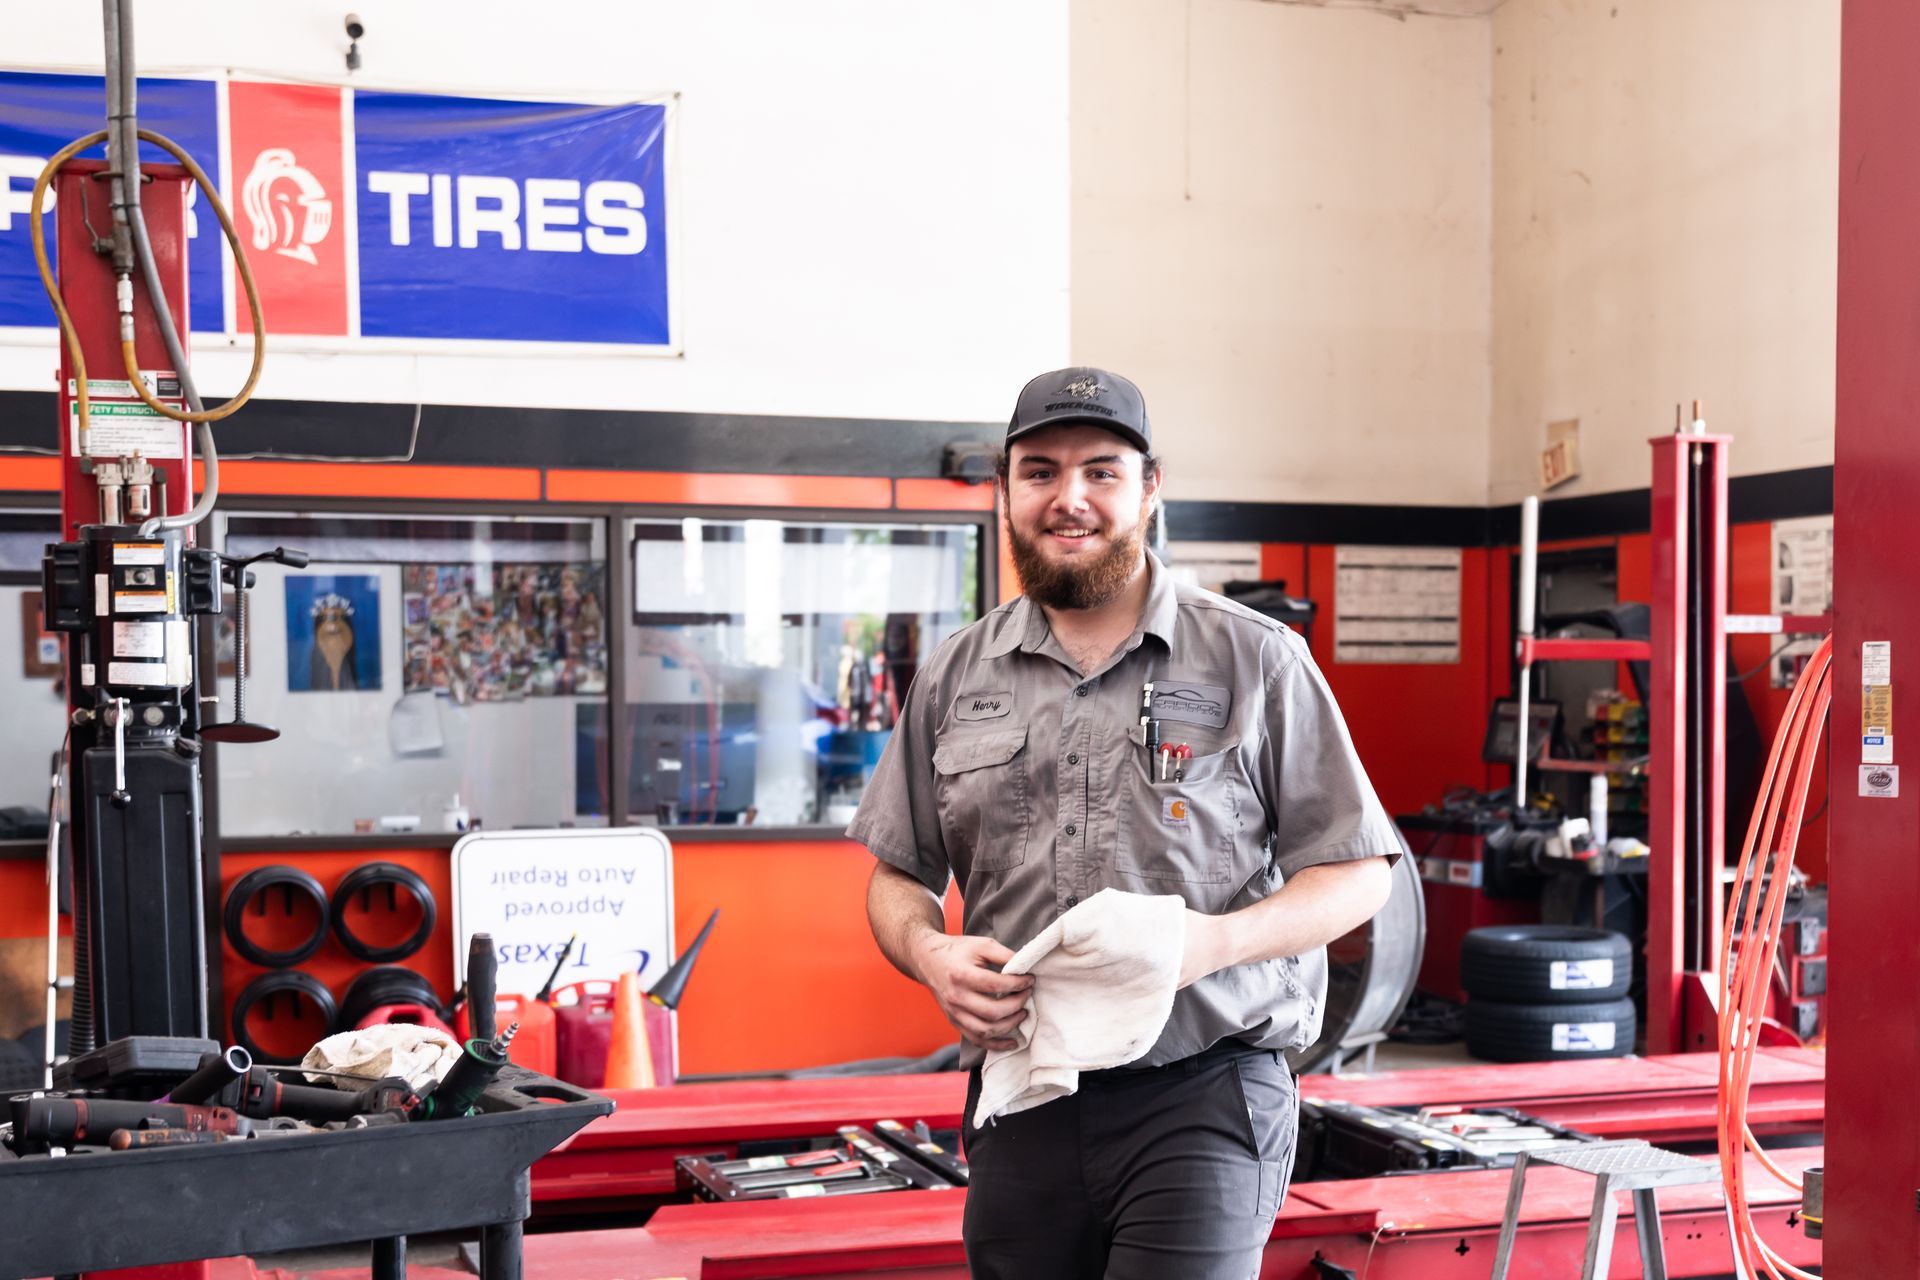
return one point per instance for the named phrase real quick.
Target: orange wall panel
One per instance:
(791, 976)
(943, 495)
(29, 475)
(23, 899)
(698, 489)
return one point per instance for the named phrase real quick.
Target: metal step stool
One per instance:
(1614, 1166)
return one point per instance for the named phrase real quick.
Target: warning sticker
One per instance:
(117, 430)
(140, 602)
(139, 553)
(1880, 781)
(147, 673)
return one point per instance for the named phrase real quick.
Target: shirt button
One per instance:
(1073, 759)
(1072, 901)
(1071, 828)
(1081, 692)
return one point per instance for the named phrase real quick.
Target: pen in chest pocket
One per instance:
(1150, 725)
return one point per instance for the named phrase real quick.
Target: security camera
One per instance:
(355, 27)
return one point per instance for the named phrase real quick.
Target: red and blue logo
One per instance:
(384, 215)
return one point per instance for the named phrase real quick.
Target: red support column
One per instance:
(1873, 1113)
(1686, 823)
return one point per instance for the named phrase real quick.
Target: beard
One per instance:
(1079, 586)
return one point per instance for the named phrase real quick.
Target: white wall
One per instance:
(871, 195)
(35, 717)
(1666, 175)
(1280, 230)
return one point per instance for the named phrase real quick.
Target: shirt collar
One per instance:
(1025, 625)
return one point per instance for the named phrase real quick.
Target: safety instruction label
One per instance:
(1580, 975)
(1880, 781)
(120, 430)
(1589, 1037)
(163, 384)
(139, 553)
(139, 639)
(140, 602)
(1876, 702)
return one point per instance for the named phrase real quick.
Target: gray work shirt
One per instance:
(1030, 784)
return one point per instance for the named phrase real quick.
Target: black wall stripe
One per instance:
(645, 440)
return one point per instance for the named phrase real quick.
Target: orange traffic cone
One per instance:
(629, 1057)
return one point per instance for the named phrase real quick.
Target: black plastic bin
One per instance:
(96, 1210)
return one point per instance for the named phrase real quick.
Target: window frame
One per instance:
(613, 518)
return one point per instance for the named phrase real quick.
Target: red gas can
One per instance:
(533, 1044)
(583, 1028)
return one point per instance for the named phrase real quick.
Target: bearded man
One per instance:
(1022, 769)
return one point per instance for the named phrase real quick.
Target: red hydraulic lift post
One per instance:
(1687, 759)
(1873, 1110)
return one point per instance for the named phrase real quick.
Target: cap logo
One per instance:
(1083, 389)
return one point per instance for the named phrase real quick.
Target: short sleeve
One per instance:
(1321, 805)
(899, 817)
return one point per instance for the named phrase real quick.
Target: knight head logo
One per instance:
(1086, 388)
(286, 205)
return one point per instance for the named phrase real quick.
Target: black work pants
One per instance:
(1173, 1171)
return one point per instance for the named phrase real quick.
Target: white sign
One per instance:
(1211, 565)
(1396, 604)
(1586, 1037)
(1579, 975)
(1802, 583)
(532, 890)
(1880, 781)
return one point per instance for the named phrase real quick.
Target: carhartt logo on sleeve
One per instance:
(1191, 703)
(982, 706)
(1173, 811)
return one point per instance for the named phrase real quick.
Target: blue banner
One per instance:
(39, 114)
(511, 220)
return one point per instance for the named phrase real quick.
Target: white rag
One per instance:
(1104, 975)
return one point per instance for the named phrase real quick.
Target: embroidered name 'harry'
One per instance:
(982, 706)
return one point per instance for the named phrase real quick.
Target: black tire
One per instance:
(1545, 964)
(1549, 1032)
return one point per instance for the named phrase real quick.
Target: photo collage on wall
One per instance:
(495, 633)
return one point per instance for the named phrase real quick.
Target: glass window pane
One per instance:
(768, 659)
(32, 676)
(424, 672)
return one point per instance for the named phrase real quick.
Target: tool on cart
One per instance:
(215, 1073)
(52, 1121)
(479, 1063)
(482, 973)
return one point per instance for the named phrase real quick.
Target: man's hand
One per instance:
(1202, 955)
(964, 975)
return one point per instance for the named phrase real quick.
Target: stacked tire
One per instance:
(1547, 993)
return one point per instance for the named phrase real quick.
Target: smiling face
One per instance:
(1078, 499)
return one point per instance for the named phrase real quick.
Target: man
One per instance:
(1018, 768)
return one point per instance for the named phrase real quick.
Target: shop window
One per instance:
(425, 673)
(768, 659)
(32, 676)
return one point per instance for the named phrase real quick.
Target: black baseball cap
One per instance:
(1083, 394)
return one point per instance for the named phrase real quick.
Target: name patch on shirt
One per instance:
(1191, 703)
(982, 706)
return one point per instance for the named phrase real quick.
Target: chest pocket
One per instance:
(1180, 837)
(982, 789)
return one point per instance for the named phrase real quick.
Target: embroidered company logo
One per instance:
(1082, 389)
(1173, 812)
(1195, 701)
(286, 205)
